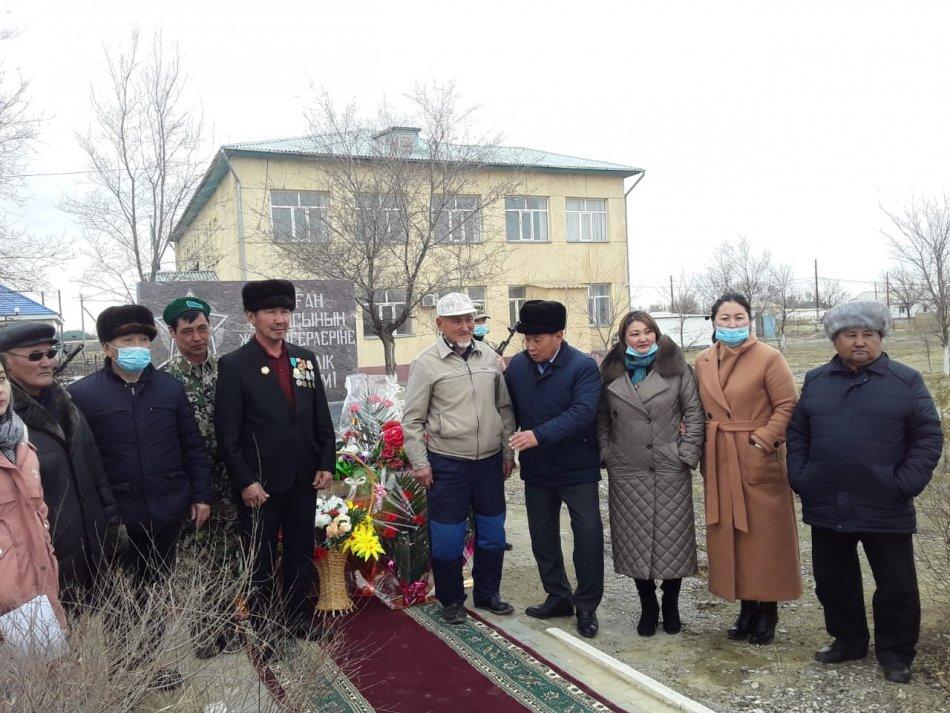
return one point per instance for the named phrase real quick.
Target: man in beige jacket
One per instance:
(457, 422)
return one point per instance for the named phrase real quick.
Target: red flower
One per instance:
(319, 553)
(354, 407)
(393, 435)
(407, 494)
(389, 516)
(388, 452)
(390, 532)
(419, 520)
(375, 398)
(387, 403)
(333, 513)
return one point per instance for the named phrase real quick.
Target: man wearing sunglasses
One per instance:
(83, 515)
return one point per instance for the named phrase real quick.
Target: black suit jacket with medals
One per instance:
(259, 437)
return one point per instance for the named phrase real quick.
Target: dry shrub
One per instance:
(121, 636)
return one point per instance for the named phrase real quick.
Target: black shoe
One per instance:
(454, 613)
(831, 654)
(496, 606)
(671, 610)
(587, 624)
(897, 672)
(762, 632)
(167, 679)
(649, 607)
(509, 547)
(743, 623)
(551, 608)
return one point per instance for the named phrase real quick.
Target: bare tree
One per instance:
(685, 302)
(412, 209)
(737, 268)
(24, 258)
(143, 151)
(785, 295)
(904, 290)
(920, 240)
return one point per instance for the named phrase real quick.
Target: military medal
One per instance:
(265, 370)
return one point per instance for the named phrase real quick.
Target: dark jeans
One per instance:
(148, 560)
(896, 601)
(459, 487)
(290, 512)
(543, 504)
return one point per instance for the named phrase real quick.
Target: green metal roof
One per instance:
(363, 145)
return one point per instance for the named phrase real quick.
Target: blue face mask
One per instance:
(652, 350)
(481, 330)
(133, 359)
(732, 336)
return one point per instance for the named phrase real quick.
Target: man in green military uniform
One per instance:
(197, 369)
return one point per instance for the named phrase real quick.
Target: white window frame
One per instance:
(457, 219)
(599, 306)
(477, 294)
(583, 223)
(385, 208)
(515, 302)
(312, 216)
(388, 304)
(534, 225)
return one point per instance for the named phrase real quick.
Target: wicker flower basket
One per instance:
(333, 594)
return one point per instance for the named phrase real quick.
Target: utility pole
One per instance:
(887, 290)
(82, 316)
(817, 318)
(672, 309)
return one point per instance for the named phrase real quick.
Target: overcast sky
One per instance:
(788, 123)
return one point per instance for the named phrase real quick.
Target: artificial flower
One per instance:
(319, 553)
(321, 519)
(390, 532)
(419, 520)
(354, 407)
(363, 542)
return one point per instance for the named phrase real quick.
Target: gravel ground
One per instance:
(728, 676)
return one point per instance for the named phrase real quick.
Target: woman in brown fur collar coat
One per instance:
(650, 430)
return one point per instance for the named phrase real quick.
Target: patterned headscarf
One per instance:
(12, 431)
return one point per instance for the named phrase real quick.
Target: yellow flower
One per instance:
(363, 542)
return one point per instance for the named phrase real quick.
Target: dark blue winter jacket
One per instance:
(862, 445)
(149, 442)
(560, 407)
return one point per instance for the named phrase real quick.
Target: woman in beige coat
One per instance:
(27, 565)
(650, 431)
(748, 395)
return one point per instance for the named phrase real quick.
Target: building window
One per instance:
(516, 297)
(381, 218)
(526, 218)
(298, 216)
(476, 294)
(586, 220)
(389, 305)
(598, 305)
(456, 219)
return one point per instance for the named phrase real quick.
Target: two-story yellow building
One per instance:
(564, 235)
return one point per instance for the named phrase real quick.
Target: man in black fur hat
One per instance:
(151, 448)
(555, 390)
(83, 515)
(277, 442)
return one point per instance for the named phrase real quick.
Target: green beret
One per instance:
(178, 307)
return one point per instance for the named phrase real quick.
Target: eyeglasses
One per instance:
(36, 356)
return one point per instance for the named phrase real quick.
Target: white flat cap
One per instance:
(454, 304)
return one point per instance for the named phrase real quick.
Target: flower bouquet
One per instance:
(401, 524)
(342, 528)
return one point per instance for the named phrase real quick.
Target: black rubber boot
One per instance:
(762, 632)
(649, 607)
(743, 623)
(671, 605)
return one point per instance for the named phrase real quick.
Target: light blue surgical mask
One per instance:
(133, 359)
(481, 330)
(732, 336)
(652, 350)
